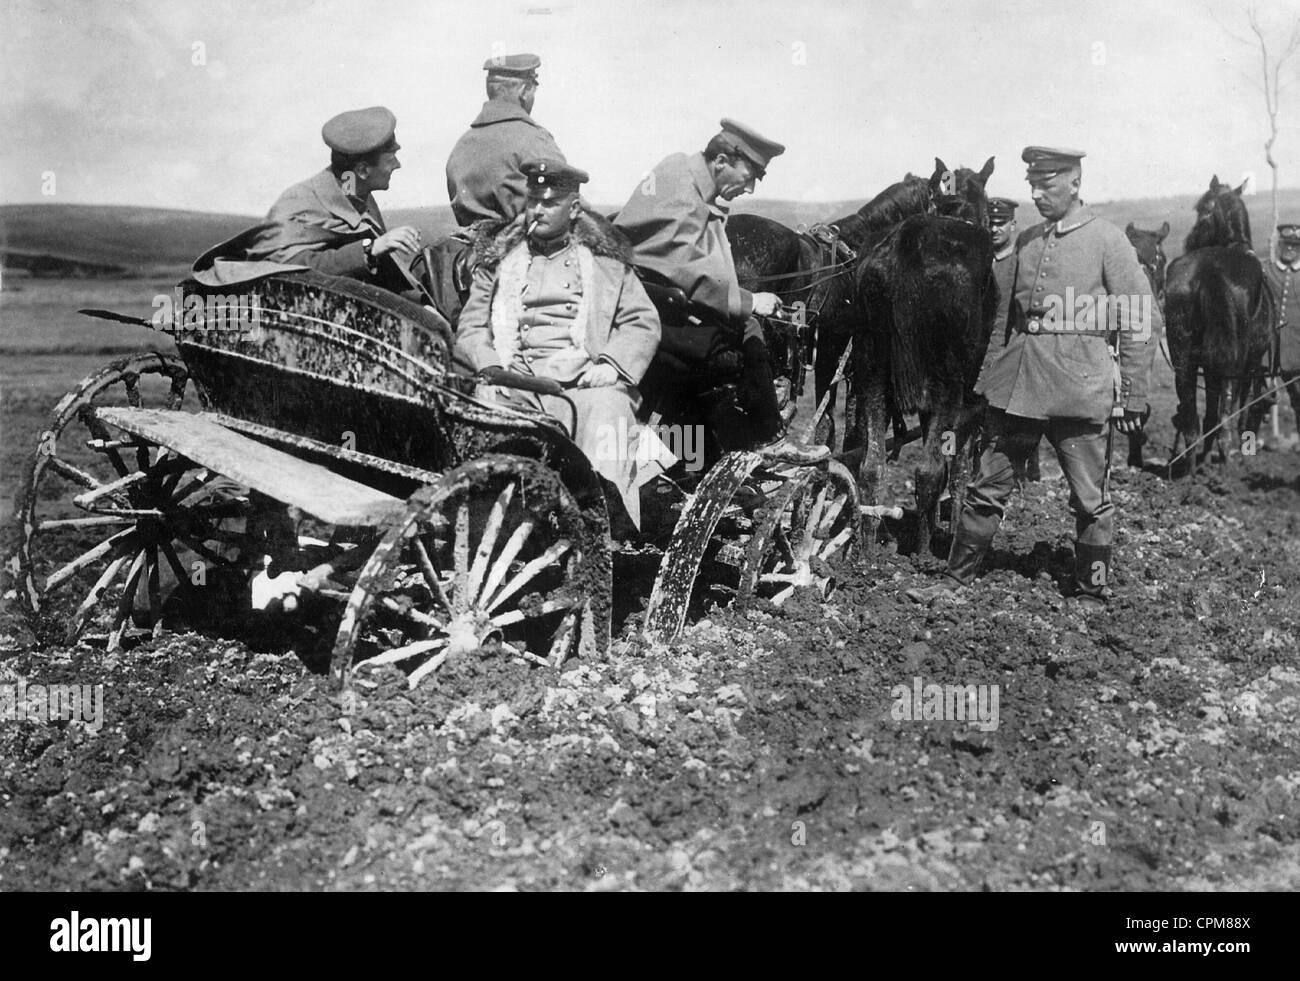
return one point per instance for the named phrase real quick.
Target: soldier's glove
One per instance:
(1133, 421)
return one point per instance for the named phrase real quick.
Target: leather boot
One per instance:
(964, 560)
(966, 554)
(1092, 572)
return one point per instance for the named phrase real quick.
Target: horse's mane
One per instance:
(910, 196)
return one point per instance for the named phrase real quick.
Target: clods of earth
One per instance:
(1148, 746)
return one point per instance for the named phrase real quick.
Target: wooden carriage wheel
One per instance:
(101, 511)
(495, 555)
(809, 523)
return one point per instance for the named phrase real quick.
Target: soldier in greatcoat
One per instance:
(676, 220)
(555, 295)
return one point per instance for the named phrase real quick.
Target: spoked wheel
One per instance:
(107, 519)
(496, 555)
(810, 523)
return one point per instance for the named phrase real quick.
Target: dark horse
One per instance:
(929, 299)
(818, 271)
(1218, 314)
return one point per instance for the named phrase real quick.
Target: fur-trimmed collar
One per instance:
(493, 239)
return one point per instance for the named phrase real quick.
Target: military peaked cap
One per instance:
(757, 149)
(547, 178)
(516, 66)
(361, 131)
(1002, 210)
(1047, 161)
(1290, 234)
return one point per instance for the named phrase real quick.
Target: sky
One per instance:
(217, 105)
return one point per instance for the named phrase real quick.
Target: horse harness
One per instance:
(836, 259)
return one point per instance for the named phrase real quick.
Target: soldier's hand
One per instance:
(766, 304)
(404, 239)
(598, 376)
(1130, 422)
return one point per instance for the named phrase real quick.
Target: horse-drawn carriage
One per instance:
(332, 454)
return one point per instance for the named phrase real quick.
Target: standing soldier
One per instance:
(485, 178)
(676, 224)
(1053, 373)
(1284, 277)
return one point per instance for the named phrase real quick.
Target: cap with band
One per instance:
(1048, 161)
(1002, 210)
(514, 66)
(758, 150)
(547, 178)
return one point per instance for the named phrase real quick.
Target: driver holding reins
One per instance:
(676, 224)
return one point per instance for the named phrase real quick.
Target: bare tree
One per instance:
(1272, 72)
(1273, 59)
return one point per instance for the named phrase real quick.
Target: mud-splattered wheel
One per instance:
(495, 555)
(107, 519)
(808, 525)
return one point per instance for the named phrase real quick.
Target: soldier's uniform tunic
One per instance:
(1059, 381)
(1285, 283)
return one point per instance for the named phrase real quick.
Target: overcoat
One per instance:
(676, 232)
(621, 329)
(484, 179)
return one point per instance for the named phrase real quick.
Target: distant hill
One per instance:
(73, 239)
(81, 239)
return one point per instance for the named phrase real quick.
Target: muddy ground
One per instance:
(1150, 746)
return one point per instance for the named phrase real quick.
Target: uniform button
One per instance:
(566, 286)
(568, 262)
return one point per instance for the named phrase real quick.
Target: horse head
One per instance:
(960, 193)
(1151, 255)
(1221, 218)
(900, 200)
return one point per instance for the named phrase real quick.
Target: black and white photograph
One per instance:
(607, 446)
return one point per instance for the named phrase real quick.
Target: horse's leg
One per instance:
(873, 419)
(1230, 448)
(1186, 423)
(939, 427)
(1213, 412)
(963, 462)
(825, 361)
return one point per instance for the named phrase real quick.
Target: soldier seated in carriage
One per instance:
(675, 221)
(330, 222)
(555, 296)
